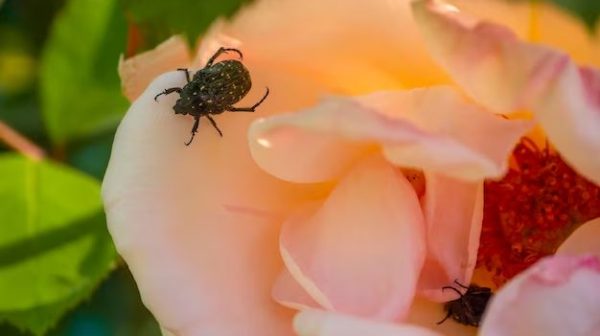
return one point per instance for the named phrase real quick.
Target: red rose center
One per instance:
(532, 210)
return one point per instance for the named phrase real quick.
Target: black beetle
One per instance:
(468, 309)
(213, 90)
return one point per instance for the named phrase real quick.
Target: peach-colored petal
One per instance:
(138, 71)
(313, 145)
(322, 323)
(540, 22)
(506, 74)
(586, 239)
(200, 240)
(361, 252)
(465, 141)
(166, 332)
(432, 129)
(486, 59)
(288, 292)
(352, 46)
(453, 213)
(557, 296)
(569, 112)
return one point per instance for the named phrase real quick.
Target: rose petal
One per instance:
(432, 129)
(453, 213)
(361, 252)
(569, 112)
(138, 71)
(486, 59)
(165, 332)
(586, 239)
(377, 48)
(505, 74)
(321, 323)
(199, 225)
(539, 22)
(288, 292)
(306, 147)
(466, 141)
(557, 296)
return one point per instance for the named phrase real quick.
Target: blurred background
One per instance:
(60, 104)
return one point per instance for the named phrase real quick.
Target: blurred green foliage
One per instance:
(160, 19)
(79, 84)
(587, 10)
(59, 88)
(114, 309)
(55, 248)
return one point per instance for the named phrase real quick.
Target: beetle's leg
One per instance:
(249, 109)
(454, 289)
(194, 130)
(219, 52)
(168, 91)
(445, 318)
(461, 285)
(187, 73)
(212, 121)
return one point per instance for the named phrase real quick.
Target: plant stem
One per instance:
(19, 142)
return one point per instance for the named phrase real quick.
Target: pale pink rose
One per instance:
(357, 187)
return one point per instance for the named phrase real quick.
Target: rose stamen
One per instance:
(532, 210)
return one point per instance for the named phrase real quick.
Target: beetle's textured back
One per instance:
(222, 85)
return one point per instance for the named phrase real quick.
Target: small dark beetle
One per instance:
(469, 307)
(213, 90)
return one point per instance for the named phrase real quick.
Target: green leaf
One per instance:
(586, 10)
(54, 247)
(115, 309)
(159, 19)
(80, 88)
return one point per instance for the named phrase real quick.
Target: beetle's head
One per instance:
(181, 107)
